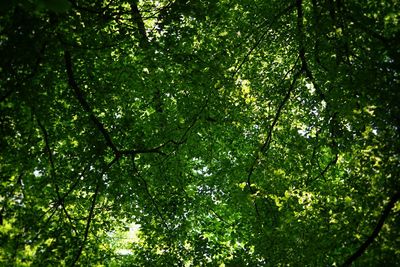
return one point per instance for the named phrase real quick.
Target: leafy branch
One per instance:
(99, 125)
(376, 231)
(60, 200)
(79, 95)
(265, 147)
(91, 211)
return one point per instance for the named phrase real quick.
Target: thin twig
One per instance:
(259, 41)
(152, 198)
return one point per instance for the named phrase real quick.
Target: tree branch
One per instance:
(264, 148)
(50, 154)
(91, 211)
(146, 187)
(376, 231)
(302, 51)
(137, 18)
(266, 144)
(100, 126)
(89, 220)
(143, 151)
(79, 95)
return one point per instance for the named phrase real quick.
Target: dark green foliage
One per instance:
(199, 133)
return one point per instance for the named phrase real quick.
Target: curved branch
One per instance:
(99, 125)
(302, 51)
(91, 211)
(89, 220)
(152, 199)
(60, 200)
(376, 231)
(85, 105)
(265, 147)
(50, 153)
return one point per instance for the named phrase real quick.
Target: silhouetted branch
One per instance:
(50, 154)
(143, 151)
(302, 51)
(376, 231)
(89, 220)
(151, 198)
(79, 95)
(264, 148)
(100, 126)
(91, 211)
(327, 167)
(137, 18)
(266, 144)
(60, 199)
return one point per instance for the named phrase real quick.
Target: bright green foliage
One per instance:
(199, 133)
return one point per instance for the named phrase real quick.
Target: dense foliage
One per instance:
(221, 133)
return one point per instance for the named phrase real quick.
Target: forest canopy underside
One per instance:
(199, 133)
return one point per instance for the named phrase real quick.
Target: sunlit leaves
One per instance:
(237, 136)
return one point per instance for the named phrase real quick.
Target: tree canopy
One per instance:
(199, 133)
